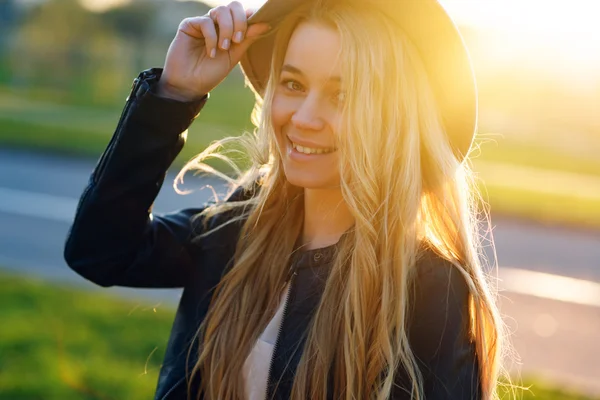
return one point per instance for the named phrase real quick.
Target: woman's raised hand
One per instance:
(205, 50)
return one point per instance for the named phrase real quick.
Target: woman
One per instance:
(345, 262)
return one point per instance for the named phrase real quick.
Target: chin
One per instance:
(311, 179)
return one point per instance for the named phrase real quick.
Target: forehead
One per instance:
(314, 49)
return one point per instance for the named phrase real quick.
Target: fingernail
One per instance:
(213, 53)
(225, 44)
(238, 37)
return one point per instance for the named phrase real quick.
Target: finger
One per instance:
(222, 15)
(239, 21)
(201, 28)
(254, 32)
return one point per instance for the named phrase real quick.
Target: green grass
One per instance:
(57, 342)
(550, 209)
(539, 390)
(537, 157)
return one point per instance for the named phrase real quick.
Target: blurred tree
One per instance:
(171, 13)
(8, 20)
(62, 51)
(133, 22)
(63, 47)
(150, 25)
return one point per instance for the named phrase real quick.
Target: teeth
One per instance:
(308, 150)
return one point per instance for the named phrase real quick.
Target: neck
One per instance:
(326, 217)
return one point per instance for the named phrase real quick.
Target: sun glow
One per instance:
(557, 34)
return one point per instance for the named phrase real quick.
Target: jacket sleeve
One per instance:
(115, 239)
(438, 335)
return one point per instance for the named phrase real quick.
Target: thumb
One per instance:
(253, 33)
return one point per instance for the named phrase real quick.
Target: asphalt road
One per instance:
(557, 339)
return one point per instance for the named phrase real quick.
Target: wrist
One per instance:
(164, 90)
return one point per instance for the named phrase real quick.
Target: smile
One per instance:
(309, 150)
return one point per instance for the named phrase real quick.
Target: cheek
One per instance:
(336, 126)
(281, 113)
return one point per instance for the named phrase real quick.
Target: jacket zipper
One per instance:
(117, 134)
(101, 164)
(279, 331)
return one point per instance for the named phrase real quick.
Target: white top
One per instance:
(256, 366)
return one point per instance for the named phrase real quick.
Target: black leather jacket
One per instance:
(115, 240)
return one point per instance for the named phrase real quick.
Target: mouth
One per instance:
(311, 150)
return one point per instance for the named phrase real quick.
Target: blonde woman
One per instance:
(345, 263)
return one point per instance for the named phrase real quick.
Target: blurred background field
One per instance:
(66, 68)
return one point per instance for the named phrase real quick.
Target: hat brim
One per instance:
(438, 41)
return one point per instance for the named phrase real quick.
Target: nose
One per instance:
(307, 116)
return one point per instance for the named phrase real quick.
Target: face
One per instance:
(306, 108)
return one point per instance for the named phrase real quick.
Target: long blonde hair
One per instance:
(404, 186)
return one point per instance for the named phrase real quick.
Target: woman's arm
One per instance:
(114, 239)
(439, 336)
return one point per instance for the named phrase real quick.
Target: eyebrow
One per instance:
(294, 70)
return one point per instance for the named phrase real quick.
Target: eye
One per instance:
(292, 85)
